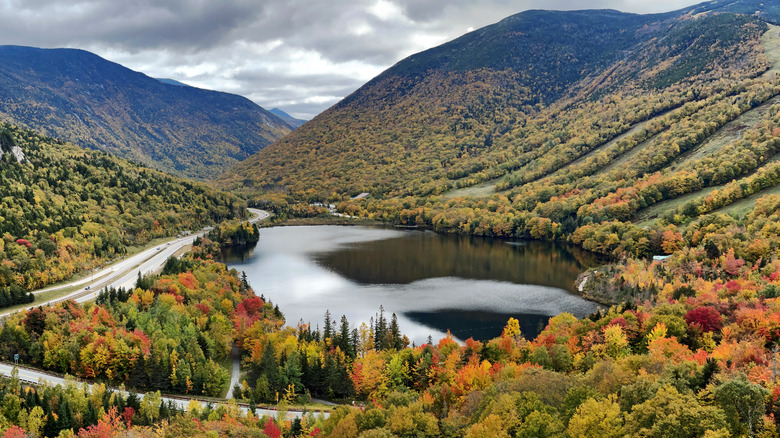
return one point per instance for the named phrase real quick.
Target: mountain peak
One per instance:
(80, 97)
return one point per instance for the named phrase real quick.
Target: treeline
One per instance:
(168, 334)
(313, 363)
(233, 234)
(50, 411)
(69, 209)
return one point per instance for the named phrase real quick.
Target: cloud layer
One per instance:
(298, 55)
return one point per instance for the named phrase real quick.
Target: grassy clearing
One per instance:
(612, 142)
(486, 188)
(626, 158)
(133, 250)
(771, 43)
(648, 216)
(227, 365)
(730, 133)
(743, 206)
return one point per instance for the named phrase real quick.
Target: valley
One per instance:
(562, 224)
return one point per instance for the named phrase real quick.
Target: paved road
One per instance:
(33, 376)
(236, 371)
(125, 272)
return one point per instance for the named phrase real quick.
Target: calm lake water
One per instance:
(433, 282)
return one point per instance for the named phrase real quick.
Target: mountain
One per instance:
(527, 95)
(64, 209)
(79, 97)
(292, 121)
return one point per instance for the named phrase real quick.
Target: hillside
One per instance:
(502, 100)
(79, 97)
(64, 209)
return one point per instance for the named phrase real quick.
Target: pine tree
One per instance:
(317, 381)
(327, 330)
(244, 282)
(355, 341)
(50, 428)
(64, 416)
(138, 378)
(269, 367)
(395, 334)
(306, 377)
(344, 338)
(380, 332)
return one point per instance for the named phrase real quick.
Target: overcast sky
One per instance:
(299, 55)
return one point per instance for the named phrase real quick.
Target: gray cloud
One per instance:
(299, 55)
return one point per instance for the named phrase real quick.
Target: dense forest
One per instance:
(170, 333)
(65, 209)
(691, 351)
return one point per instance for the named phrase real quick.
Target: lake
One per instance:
(433, 282)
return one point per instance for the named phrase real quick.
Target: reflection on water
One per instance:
(416, 255)
(479, 324)
(468, 285)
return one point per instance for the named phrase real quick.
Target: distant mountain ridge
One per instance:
(172, 82)
(292, 121)
(80, 97)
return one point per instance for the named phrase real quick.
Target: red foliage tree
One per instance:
(272, 429)
(705, 318)
(127, 416)
(15, 432)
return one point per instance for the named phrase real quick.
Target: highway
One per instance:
(124, 274)
(33, 376)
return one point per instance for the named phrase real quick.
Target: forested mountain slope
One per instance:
(79, 97)
(64, 209)
(499, 99)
